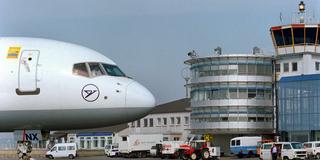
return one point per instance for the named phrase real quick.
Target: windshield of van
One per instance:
(297, 146)
(108, 146)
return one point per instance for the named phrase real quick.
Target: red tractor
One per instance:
(195, 150)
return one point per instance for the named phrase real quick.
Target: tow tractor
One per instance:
(199, 149)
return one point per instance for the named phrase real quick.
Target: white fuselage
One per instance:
(41, 91)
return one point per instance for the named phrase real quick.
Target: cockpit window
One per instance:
(95, 69)
(113, 70)
(80, 69)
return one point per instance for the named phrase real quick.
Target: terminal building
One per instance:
(298, 78)
(231, 95)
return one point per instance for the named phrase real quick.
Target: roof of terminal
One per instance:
(181, 105)
(199, 59)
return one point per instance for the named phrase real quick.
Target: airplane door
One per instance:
(28, 67)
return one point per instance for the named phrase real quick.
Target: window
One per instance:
(102, 141)
(252, 119)
(159, 121)
(145, 124)
(113, 70)
(278, 37)
(307, 145)
(95, 69)
(311, 35)
(95, 142)
(298, 35)
(124, 138)
(287, 36)
(237, 142)
(285, 67)
(165, 139)
(243, 93)
(286, 146)
(252, 93)
(186, 120)
(224, 119)
(267, 146)
(132, 124)
(178, 120)
(317, 145)
(176, 138)
(317, 66)
(164, 121)
(260, 119)
(61, 148)
(294, 66)
(80, 69)
(138, 123)
(110, 140)
(151, 122)
(233, 143)
(233, 93)
(172, 120)
(53, 149)
(71, 148)
(277, 67)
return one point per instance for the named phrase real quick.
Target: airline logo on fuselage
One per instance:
(13, 52)
(90, 93)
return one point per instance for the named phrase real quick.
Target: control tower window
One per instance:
(298, 35)
(287, 36)
(311, 35)
(80, 69)
(95, 69)
(278, 37)
(113, 70)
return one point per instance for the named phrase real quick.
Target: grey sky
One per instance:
(149, 39)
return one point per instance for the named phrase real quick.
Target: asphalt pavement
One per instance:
(108, 158)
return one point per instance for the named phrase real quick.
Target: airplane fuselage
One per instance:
(43, 88)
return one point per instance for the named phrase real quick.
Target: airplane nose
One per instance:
(139, 97)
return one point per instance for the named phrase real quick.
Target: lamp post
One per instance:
(185, 73)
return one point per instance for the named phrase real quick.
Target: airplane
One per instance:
(49, 85)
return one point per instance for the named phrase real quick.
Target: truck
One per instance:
(170, 149)
(244, 146)
(111, 150)
(138, 145)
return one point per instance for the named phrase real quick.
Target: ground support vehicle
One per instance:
(244, 146)
(198, 149)
(111, 150)
(170, 149)
(138, 145)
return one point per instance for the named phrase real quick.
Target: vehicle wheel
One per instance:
(183, 156)
(193, 156)
(285, 158)
(318, 156)
(71, 156)
(205, 154)
(50, 157)
(240, 155)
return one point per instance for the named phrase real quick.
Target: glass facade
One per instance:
(299, 107)
(232, 94)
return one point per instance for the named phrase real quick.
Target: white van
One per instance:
(313, 149)
(244, 146)
(62, 150)
(286, 150)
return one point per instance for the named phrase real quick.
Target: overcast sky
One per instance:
(149, 39)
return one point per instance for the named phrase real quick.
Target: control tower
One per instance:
(297, 69)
